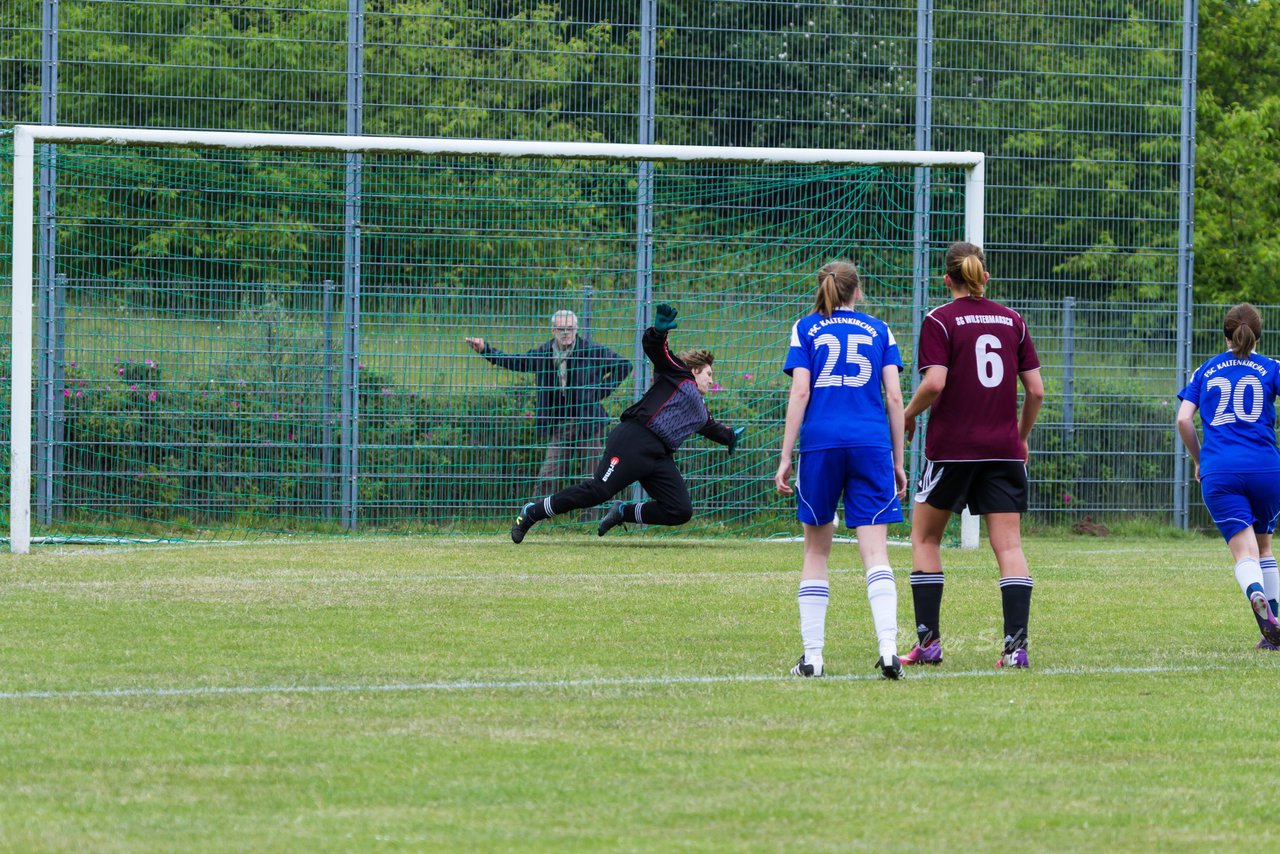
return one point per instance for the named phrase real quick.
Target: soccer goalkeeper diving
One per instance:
(641, 448)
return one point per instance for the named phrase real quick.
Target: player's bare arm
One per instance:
(797, 404)
(1032, 399)
(894, 411)
(1187, 430)
(934, 381)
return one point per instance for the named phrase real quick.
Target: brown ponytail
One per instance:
(966, 267)
(838, 285)
(1243, 328)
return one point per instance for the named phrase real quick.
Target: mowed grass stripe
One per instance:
(554, 684)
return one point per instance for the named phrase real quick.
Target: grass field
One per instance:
(573, 694)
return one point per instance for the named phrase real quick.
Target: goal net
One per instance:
(230, 335)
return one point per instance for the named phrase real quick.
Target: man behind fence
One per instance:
(572, 375)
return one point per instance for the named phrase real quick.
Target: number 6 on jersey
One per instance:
(990, 365)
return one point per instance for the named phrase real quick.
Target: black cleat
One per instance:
(807, 669)
(891, 669)
(523, 523)
(611, 520)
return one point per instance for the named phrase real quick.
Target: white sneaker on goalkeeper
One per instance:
(808, 668)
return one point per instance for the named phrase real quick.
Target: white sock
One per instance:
(883, 596)
(813, 596)
(1270, 578)
(1248, 574)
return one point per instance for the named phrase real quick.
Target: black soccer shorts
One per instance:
(985, 486)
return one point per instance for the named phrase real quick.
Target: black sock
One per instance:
(926, 593)
(540, 510)
(1015, 596)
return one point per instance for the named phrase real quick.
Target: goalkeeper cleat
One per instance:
(890, 668)
(1267, 645)
(807, 668)
(612, 519)
(1266, 620)
(1016, 659)
(930, 653)
(523, 523)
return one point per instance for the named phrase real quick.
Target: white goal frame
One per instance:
(25, 138)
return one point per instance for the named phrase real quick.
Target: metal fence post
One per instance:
(59, 435)
(51, 407)
(43, 444)
(1186, 256)
(350, 454)
(46, 407)
(326, 405)
(644, 200)
(1069, 370)
(920, 224)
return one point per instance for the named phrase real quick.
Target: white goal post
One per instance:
(26, 137)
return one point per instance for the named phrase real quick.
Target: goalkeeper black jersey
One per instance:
(673, 408)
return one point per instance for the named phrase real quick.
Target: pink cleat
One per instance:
(930, 653)
(1017, 658)
(1266, 620)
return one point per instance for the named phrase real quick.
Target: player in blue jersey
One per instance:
(1238, 466)
(851, 438)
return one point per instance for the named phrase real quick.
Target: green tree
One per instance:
(1239, 62)
(1078, 116)
(793, 75)
(1237, 163)
(1238, 203)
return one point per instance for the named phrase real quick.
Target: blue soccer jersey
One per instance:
(845, 355)
(1236, 398)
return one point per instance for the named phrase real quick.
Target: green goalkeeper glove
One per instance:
(665, 320)
(733, 443)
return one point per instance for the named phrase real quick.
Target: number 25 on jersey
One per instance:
(828, 376)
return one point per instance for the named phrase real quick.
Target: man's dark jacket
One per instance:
(594, 371)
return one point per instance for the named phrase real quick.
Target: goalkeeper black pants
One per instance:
(632, 454)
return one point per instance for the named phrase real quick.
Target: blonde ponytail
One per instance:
(966, 267)
(838, 285)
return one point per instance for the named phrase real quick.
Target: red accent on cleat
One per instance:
(1016, 659)
(930, 653)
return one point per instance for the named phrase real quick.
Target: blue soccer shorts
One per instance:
(864, 476)
(1239, 500)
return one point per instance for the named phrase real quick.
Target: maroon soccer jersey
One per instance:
(983, 346)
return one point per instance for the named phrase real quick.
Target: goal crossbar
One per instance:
(486, 147)
(26, 137)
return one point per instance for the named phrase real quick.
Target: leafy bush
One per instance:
(1117, 456)
(227, 453)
